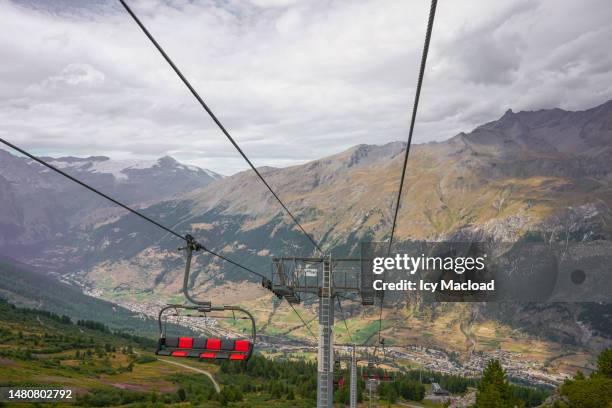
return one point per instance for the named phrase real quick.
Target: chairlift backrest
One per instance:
(205, 348)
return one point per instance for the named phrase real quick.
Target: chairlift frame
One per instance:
(203, 348)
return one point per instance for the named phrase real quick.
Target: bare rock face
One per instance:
(11, 217)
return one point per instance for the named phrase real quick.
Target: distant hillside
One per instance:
(37, 291)
(40, 206)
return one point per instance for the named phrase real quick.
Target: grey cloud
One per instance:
(293, 80)
(489, 52)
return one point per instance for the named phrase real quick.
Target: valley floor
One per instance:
(442, 345)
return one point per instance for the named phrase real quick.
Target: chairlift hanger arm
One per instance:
(203, 305)
(192, 245)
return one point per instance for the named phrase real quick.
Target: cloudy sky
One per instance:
(292, 80)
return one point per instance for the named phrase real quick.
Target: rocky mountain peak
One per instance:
(365, 154)
(167, 161)
(583, 133)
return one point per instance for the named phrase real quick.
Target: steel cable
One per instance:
(216, 120)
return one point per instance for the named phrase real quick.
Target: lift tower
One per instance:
(327, 278)
(353, 390)
(352, 361)
(325, 370)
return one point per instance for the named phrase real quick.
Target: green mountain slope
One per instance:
(39, 349)
(43, 350)
(38, 291)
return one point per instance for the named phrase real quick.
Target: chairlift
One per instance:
(337, 365)
(371, 362)
(204, 348)
(373, 359)
(387, 378)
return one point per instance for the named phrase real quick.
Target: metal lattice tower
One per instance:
(353, 390)
(325, 375)
(352, 365)
(326, 278)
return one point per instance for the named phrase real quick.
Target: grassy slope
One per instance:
(39, 349)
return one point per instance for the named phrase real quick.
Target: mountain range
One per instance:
(545, 173)
(40, 207)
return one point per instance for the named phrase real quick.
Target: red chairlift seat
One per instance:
(205, 348)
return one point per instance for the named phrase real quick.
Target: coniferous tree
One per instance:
(494, 391)
(604, 363)
(590, 392)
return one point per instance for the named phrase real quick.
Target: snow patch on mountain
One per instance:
(117, 167)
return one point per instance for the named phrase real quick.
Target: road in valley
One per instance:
(197, 370)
